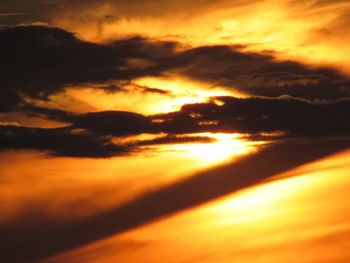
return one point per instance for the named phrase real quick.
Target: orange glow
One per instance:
(184, 92)
(118, 121)
(305, 30)
(176, 93)
(65, 181)
(271, 223)
(62, 180)
(225, 147)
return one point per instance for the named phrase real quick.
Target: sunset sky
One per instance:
(174, 131)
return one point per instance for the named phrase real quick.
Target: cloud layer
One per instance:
(91, 134)
(39, 61)
(285, 97)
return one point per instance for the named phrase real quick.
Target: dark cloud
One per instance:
(38, 61)
(109, 88)
(116, 123)
(258, 74)
(53, 114)
(58, 142)
(91, 134)
(154, 90)
(171, 139)
(131, 88)
(256, 115)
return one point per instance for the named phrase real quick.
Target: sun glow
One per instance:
(276, 221)
(225, 147)
(149, 95)
(183, 92)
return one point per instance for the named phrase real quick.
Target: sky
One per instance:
(128, 128)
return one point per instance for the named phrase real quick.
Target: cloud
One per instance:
(257, 115)
(58, 142)
(92, 134)
(313, 32)
(171, 139)
(259, 74)
(116, 123)
(38, 61)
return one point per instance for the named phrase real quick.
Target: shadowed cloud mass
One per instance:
(41, 61)
(38, 61)
(91, 134)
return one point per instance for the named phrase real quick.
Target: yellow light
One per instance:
(304, 30)
(183, 92)
(306, 214)
(224, 148)
(177, 92)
